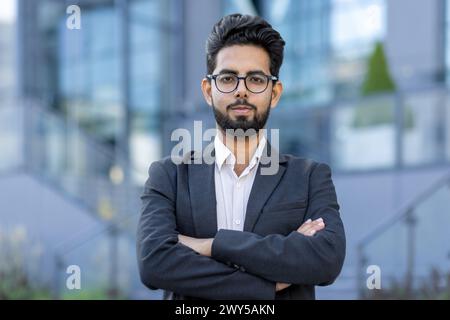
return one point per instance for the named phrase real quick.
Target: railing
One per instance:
(401, 130)
(58, 151)
(412, 249)
(84, 171)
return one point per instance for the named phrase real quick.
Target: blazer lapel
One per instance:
(202, 191)
(262, 188)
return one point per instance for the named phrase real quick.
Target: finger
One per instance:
(311, 231)
(310, 225)
(306, 222)
(315, 222)
(313, 227)
(304, 226)
(316, 225)
(318, 221)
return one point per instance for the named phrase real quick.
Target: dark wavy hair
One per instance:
(238, 29)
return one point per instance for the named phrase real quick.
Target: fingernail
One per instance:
(308, 221)
(319, 220)
(321, 224)
(312, 232)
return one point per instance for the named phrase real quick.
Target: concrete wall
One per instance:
(415, 41)
(200, 16)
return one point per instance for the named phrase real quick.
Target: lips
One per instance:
(241, 109)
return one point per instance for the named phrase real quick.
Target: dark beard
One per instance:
(226, 123)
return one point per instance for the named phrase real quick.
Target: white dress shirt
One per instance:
(232, 192)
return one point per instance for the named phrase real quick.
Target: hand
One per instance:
(201, 246)
(280, 286)
(308, 228)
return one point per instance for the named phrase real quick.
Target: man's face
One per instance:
(241, 108)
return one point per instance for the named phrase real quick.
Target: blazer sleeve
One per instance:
(167, 264)
(295, 258)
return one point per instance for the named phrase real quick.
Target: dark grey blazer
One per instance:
(180, 198)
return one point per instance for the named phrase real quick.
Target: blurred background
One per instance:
(83, 113)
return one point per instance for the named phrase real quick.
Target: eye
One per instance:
(257, 79)
(227, 78)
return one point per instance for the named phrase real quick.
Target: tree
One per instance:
(378, 78)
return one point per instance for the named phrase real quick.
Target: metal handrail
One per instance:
(404, 211)
(33, 110)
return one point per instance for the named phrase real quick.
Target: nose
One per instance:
(241, 90)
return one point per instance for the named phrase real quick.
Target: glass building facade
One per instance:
(7, 58)
(124, 88)
(131, 75)
(111, 77)
(325, 54)
(325, 62)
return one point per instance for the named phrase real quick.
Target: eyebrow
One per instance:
(235, 72)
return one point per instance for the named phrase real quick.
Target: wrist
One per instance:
(207, 245)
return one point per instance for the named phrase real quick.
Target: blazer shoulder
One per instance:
(164, 166)
(171, 164)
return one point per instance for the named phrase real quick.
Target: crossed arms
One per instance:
(235, 264)
(204, 246)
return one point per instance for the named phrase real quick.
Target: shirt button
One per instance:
(238, 222)
(238, 185)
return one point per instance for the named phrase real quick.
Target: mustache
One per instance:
(241, 103)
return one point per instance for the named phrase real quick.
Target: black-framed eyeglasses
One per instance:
(254, 82)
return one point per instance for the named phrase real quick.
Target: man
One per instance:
(224, 230)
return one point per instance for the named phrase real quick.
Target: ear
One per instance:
(206, 89)
(277, 90)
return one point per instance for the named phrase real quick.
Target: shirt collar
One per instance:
(224, 155)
